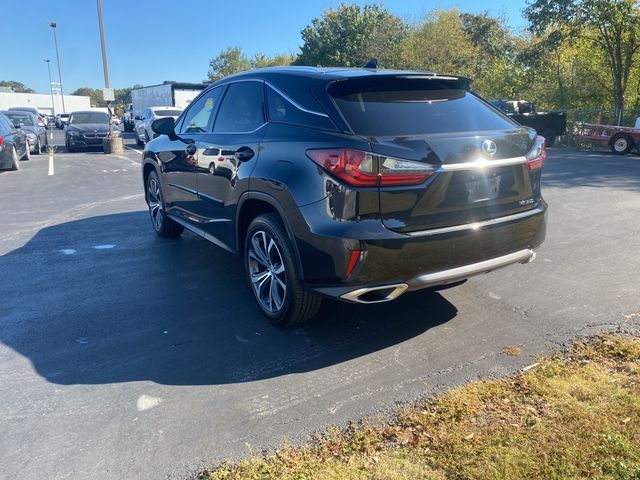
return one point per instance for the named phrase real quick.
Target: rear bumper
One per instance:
(395, 263)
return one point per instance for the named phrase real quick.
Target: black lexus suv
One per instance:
(353, 184)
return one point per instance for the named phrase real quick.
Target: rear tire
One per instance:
(164, 226)
(273, 274)
(621, 144)
(139, 142)
(550, 137)
(38, 148)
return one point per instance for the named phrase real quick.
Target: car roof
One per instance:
(168, 107)
(88, 111)
(333, 73)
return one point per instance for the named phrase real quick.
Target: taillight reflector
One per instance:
(538, 154)
(353, 261)
(364, 169)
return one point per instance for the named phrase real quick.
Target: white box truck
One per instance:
(167, 94)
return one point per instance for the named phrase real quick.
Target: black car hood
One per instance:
(89, 127)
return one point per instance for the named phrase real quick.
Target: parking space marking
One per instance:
(68, 251)
(106, 246)
(50, 165)
(147, 402)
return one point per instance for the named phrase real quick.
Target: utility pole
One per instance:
(53, 26)
(113, 143)
(105, 66)
(53, 105)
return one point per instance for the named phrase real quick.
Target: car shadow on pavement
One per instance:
(569, 168)
(103, 300)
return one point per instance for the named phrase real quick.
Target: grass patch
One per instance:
(573, 416)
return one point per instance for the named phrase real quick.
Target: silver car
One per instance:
(143, 126)
(36, 131)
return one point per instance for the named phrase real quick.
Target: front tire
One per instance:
(273, 274)
(27, 151)
(621, 144)
(164, 226)
(15, 160)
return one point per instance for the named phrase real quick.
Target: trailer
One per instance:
(166, 94)
(621, 140)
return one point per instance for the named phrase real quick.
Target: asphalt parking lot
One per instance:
(126, 356)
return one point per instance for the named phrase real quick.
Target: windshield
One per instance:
(418, 106)
(167, 113)
(81, 118)
(21, 119)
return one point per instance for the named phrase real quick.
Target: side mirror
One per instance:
(164, 126)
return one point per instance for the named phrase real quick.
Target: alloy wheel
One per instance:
(267, 271)
(155, 203)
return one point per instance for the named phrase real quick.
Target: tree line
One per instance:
(574, 54)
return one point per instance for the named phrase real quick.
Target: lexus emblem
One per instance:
(489, 147)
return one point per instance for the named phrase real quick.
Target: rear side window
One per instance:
(241, 109)
(413, 106)
(283, 111)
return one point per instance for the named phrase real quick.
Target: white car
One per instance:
(143, 130)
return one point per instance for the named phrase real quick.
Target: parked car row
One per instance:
(14, 144)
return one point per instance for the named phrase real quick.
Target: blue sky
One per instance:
(152, 41)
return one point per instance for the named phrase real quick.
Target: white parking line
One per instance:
(50, 165)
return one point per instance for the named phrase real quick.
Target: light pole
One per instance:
(105, 66)
(53, 26)
(53, 105)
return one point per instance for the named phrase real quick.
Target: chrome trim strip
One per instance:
(354, 295)
(460, 273)
(481, 164)
(293, 102)
(180, 187)
(200, 232)
(478, 225)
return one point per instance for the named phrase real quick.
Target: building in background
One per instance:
(43, 102)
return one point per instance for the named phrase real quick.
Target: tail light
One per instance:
(1, 140)
(538, 154)
(365, 169)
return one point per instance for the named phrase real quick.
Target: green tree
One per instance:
(229, 61)
(95, 95)
(17, 87)
(440, 44)
(609, 27)
(234, 60)
(349, 35)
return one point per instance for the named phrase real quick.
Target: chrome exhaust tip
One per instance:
(385, 293)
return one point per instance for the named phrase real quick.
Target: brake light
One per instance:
(538, 154)
(365, 169)
(1, 140)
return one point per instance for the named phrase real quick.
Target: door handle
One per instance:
(191, 149)
(244, 153)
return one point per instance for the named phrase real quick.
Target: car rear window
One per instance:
(21, 119)
(167, 113)
(413, 106)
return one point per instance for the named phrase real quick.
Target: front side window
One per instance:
(241, 110)
(197, 118)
